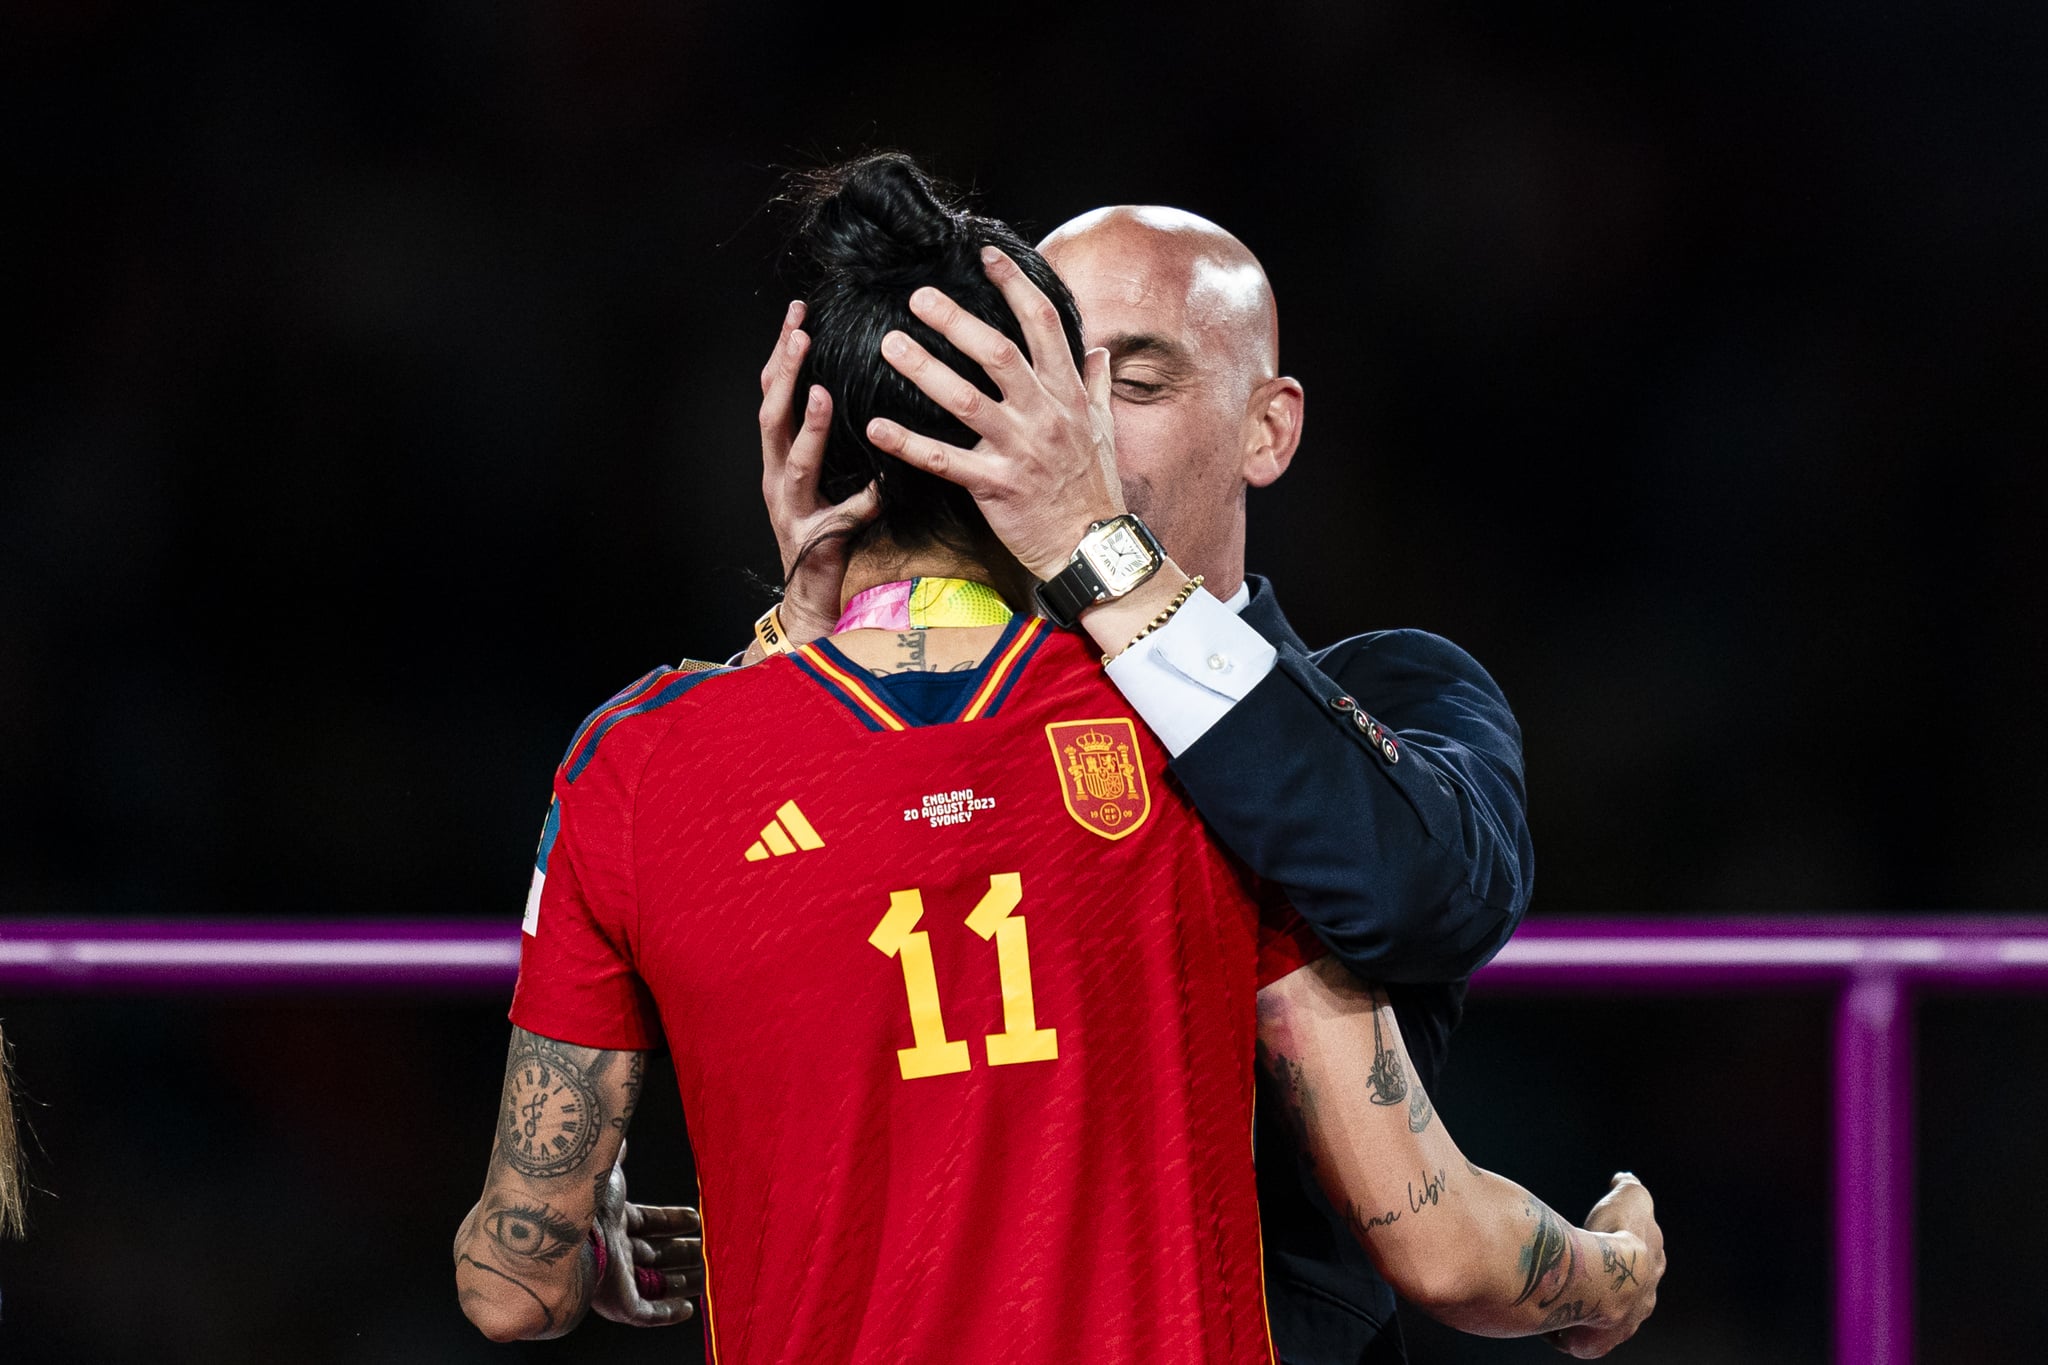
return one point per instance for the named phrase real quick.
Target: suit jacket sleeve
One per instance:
(1380, 783)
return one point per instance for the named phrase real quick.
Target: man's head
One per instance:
(874, 231)
(1202, 411)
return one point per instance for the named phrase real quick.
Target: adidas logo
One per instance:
(786, 833)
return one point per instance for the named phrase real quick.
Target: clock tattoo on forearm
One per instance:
(552, 1111)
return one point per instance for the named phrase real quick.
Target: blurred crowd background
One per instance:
(384, 399)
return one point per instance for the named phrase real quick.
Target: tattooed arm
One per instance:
(1473, 1249)
(524, 1265)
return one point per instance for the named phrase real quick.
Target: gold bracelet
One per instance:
(1180, 600)
(768, 630)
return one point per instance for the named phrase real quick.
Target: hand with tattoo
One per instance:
(656, 1260)
(1631, 1265)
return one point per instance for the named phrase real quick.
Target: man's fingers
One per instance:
(661, 1220)
(1037, 315)
(792, 318)
(1004, 360)
(1095, 378)
(948, 462)
(982, 414)
(776, 391)
(807, 451)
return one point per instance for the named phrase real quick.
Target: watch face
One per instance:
(1122, 559)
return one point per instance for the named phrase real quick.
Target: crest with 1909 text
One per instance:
(1102, 774)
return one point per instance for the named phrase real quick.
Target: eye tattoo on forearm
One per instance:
(532, 1232)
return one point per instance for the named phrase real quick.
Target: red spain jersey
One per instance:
(961, 999)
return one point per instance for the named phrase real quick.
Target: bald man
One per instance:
(1378, 781)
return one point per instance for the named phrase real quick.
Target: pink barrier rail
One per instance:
(1875, 967)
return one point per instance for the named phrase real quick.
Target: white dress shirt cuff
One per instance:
(1184, 676)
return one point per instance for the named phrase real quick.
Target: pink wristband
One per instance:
(604, 1258)
(649, 1282)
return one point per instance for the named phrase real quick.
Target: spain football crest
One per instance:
(1102, 776)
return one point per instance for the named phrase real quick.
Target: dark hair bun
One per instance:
(876, 217)
(872, 231)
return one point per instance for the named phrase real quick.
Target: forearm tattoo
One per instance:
(1432, 1191)
(1551, 1248)
(554, 1109)
(547, 1314)
(1295, 1096)
(636, 1073)
(1362, 1225)
(531, 1231)
(558, 1102)
(1420, 1110)
(1389, 1079)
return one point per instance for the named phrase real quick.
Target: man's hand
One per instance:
(1045, 466)
(1626, 1208)
(790, 461)
(655, 1257)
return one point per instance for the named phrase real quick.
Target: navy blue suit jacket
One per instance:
(1403, 841)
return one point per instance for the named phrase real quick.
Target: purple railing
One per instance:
(1874, 966)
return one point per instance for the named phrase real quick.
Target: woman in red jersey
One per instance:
(963, 1000)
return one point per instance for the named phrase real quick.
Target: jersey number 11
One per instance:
(934, 1054)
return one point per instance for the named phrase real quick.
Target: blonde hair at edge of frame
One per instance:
(11, 1221)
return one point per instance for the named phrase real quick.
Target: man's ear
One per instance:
(1272, 430)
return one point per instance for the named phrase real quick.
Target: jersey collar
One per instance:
(866, 696)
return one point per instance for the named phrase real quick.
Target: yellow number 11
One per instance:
(934, 1054)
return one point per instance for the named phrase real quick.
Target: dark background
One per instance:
(383, 400)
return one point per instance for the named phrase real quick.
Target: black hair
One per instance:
(874, 231)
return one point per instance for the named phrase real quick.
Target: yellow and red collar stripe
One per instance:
(855, 690)
(993, 683)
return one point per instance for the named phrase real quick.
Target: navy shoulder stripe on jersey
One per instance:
(650, 693)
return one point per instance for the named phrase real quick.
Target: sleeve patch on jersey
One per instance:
(548, 833)
(531, 924)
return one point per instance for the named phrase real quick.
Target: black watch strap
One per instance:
(1068, 593)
